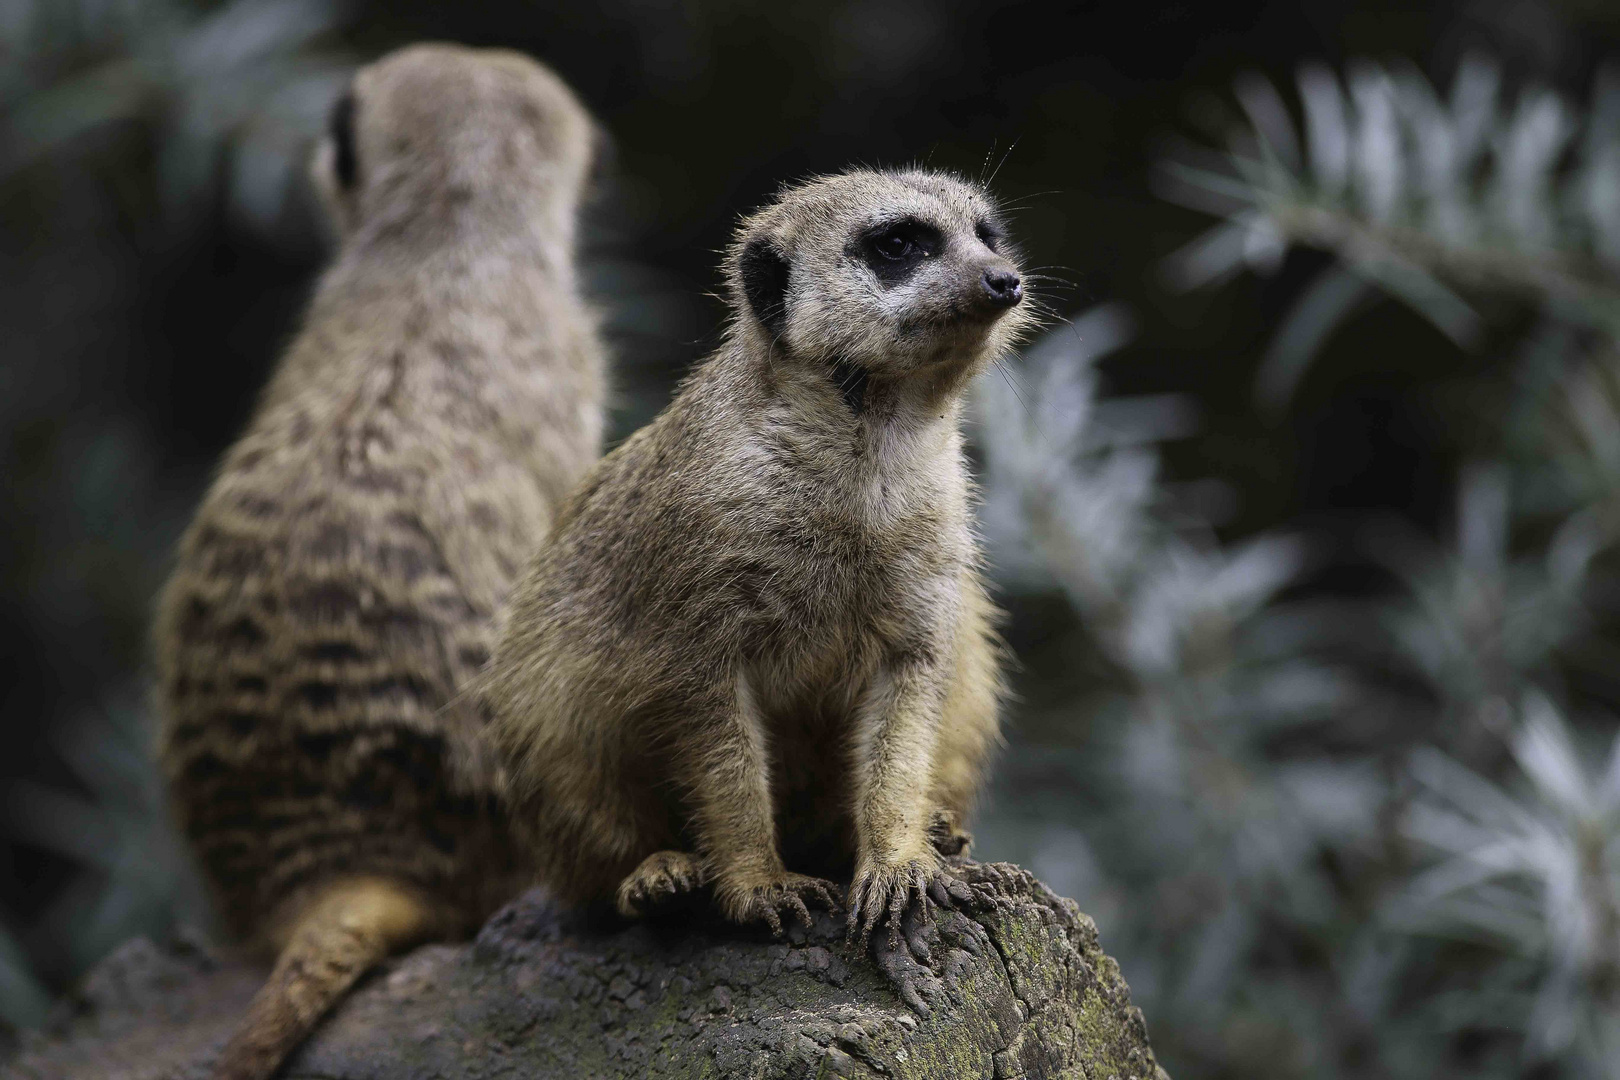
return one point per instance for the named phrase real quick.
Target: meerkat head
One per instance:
(888, 273)
(432, 137)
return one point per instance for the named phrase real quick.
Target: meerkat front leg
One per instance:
(897, 864)
(728, 774)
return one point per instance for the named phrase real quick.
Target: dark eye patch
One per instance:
(990, 234)
(894, 249)
(340, 126)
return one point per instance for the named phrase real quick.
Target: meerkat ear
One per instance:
(334, 170)
(340, 127)
(765, 283)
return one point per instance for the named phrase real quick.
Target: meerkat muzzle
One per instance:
(1002, 287)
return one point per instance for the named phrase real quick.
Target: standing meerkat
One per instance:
(342, 579)
(758, 652)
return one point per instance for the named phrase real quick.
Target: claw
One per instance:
(660, 877)
(915, 984)
(967, 933)
(908, 994)
(825, 894)
(769, 903)
(897, 909)
(959, 891)
(796, 902)
(919, 948)
(873, 913)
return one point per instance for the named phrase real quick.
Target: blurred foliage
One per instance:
(1195, 800)
(1312, 575)
(1374, 832)
(241, 79)
(1416, 195)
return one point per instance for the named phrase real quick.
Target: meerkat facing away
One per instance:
(759, 639)
(343, 576)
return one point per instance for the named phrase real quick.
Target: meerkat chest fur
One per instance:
(873, 511)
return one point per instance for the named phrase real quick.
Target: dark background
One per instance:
(136, 332)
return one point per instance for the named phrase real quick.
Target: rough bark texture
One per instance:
(540, 994)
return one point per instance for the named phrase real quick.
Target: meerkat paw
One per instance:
(660, 878)
(948, 839)
(768, 902)
(930, 941)
(884, 893)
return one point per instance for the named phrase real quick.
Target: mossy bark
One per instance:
(541, 994)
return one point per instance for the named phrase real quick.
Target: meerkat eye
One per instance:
(989, 234)
(893, 245)
(895, 249)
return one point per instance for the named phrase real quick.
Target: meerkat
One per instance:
(342, 579)
(757, 653)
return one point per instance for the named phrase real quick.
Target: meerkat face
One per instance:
(433, 130)
(892, 273)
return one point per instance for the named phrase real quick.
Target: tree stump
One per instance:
(545, 994)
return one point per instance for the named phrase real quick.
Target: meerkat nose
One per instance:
(1002, 287)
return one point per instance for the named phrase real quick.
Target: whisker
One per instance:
(1037, 287)
(1024, 202)
(1012, 384)
(1012, 146)
(1047, 311)
(1029, 413)
(984, 166)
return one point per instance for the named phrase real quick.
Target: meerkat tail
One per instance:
(350, 928)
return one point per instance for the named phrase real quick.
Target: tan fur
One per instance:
(338, 935)
(759, 638)
(342, 579)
